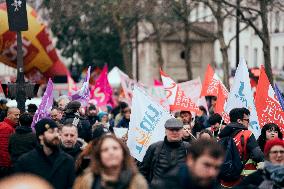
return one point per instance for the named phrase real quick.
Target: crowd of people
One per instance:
(76, 147)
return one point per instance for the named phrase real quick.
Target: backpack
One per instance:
(233, 163)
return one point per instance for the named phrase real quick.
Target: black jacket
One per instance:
(57, 169)
(162, 159)
(183, 180)
(84, 126)
(22, 141)
(93, 119)
(75, 151)
(253, 150)
(123, 123)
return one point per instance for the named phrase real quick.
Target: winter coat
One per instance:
(183, 180)
(253, 150)
(126, 181)
(75, 151)
(7, 128)
(270, 174)
(123, 123)
(84, 126)
(22, 141)
(162, 159)
(57, 168)
(93, 119)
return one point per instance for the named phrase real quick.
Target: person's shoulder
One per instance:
(29, 156)
(84, 181)
(138, 181)
(156, 144)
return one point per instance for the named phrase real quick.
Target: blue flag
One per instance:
(279, 96)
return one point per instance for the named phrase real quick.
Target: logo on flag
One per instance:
(241, 95)
(146, 123)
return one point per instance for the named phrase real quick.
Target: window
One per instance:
(276, 57)
(277, 22)
(255, 57)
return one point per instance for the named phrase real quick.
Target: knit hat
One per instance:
(173, 123)
(270, 143)
(101, 115)
(43, 125)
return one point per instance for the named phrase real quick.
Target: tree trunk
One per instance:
(123, 44)
(159, 47)
(266, 41)
(223, 47)
(187, 51)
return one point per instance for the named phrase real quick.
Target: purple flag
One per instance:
(83, 95)
(279, 97)
(45, 105)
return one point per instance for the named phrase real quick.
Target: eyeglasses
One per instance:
(246, 119)
(276, 152)
(174, 129)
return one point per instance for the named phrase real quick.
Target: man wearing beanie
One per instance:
(163, 158)
(47, 160)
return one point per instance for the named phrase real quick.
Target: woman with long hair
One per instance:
(112, 168)
(269, 131)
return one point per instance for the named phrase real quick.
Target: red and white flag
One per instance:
(210, 83)
(220, 103)
(267, 106)
(176, 96)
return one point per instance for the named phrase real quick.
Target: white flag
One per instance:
(241, 95)
(146, 123)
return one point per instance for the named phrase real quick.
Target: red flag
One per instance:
(176, 97)
(102, 91)
(210, 83)
(267, 106)
(220, 103)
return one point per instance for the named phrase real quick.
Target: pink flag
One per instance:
(157, 83)
(101, 92)
(71, 85)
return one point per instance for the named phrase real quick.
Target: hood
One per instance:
(231, 128)
(23, 129)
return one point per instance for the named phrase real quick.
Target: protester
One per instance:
(23, 140)
(202, 117)
(205, 134)
(213, 104)
(47, 160)
(216, 124)
(187, 135)
(62, 101)
(124, 122)
(32, 108)
(113, 167)
(56, 114)
(163, 158)
(118, 112)
(3, 109)
(245, 141)
(69, 140)
(7, 128)
(24, 181)
(269, 131)
(92, 114)
(73, 117)
(201, 168)
(194, 127)
(103, 119)
(271, 175)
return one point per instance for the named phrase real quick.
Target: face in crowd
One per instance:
(56, 114)
(276, 155)
(204, 169)
(111, 153)
(69, 136)
(13, 114)
(186, 131)
(127, 112)
(174, 134)
(50, 138)
(244, 121)
(186, 118)
(271, 133)
(62, 103)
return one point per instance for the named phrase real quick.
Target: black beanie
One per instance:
(43, 125)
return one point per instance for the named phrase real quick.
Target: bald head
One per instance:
(24, 181)
(13, 114)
